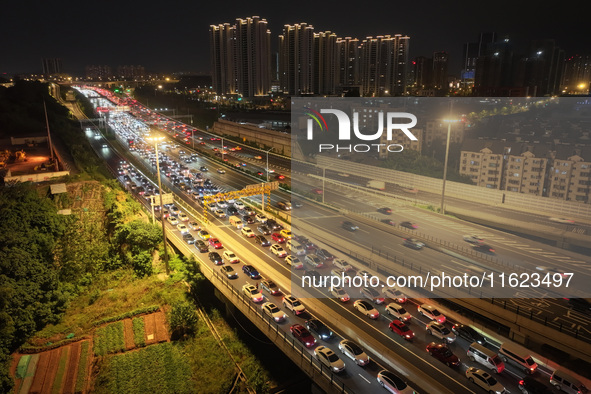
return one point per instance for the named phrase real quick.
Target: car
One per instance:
(251, 272)
(440, 331)
(468, 333)
(296, 203)
(529, 385)
(349, 226)
(394, 294)
(483, 248)
(247, 219)
(279, 177)
(221, 171)
(354, 352)
(372, 294)
(295, 262)
(442, 353)
(182, 228)
(219, 213)
(339, 293)
(274, 312)
(258, 157)
(229, 272)
(579, 304)
(409, 225)
(204, 235)
(313, 275)
(247, 232)
(172, 220)
(216, 243)
(398, 311)
(303, 335)
(194, 226)
(278, 251)
(473, 239)
(230, 257)
(259, 217)
(389, 222)
(285, 234)
(550, 270)
(431, 313)
(232, 211)
(248, 211)
(413, 243)
(325, 255)
(259, 173)
(285, 205)
(319, 328)
(201, 246)
(401, 329)
(484, 380)
(215, 258)
(316, 190)
(314, 261)
(293, 304)
(203, 169)
(277, 238)
(260, 239)
(393, 383)
(188, 238)
(252, 293)
(342, 265)
(329, 359)
(562, 220)
(183, 217)
(366, 308)
(174, 210)
(385, 211)
(270, 286)
(263, 230)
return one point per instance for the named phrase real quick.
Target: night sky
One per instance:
(173, 35)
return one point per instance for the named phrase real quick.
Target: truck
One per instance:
(236, 222)
(380, 185)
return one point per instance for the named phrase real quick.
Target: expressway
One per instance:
(355, 376)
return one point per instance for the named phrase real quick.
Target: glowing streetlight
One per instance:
(156, 139)
(449, 122)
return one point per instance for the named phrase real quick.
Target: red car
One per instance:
(303, 335)
(316, 191)
(278, 238)
(215, 243)
(401, 329)
(442, 353)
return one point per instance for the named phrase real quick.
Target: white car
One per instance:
(562, 220)
(394, 294)
(354, 352)
(339, 293)
(273, 311)
(329, 358)
(366, 308)
(440, 331)
(485, 380)
(398, 311)
(183, 217)
(278, 251)
(247, 232)
(252, 292)
(172, 220)
(294, 262)
(342, 265)
(221, 171)
(239, 205)
(182, 228)
(394, 383)
(230, 257)
(219, 213)
(293, 304)
(261, 218)
(222, 204)
(473, 239)
(432, 313)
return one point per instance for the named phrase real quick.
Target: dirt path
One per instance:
(128, 334)
(150, 328)
(69, 385)
(160, 325)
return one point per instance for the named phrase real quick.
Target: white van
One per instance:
(488, 358)
(518, 356)
(563, 381)
(295, 247)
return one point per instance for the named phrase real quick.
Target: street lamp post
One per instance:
(268, 163)
(323, 179)
(449, 122)
(156, 140)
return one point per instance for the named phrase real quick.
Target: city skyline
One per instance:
(181, 38)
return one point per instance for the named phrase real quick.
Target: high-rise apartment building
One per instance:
(383, 65)
(296, 59)
(101, 72)
(51, 66)
(577, 74)
(440, 61)
(542, 70)
(348, 52)
(241, 57)
(472, 51)
(326, 63)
